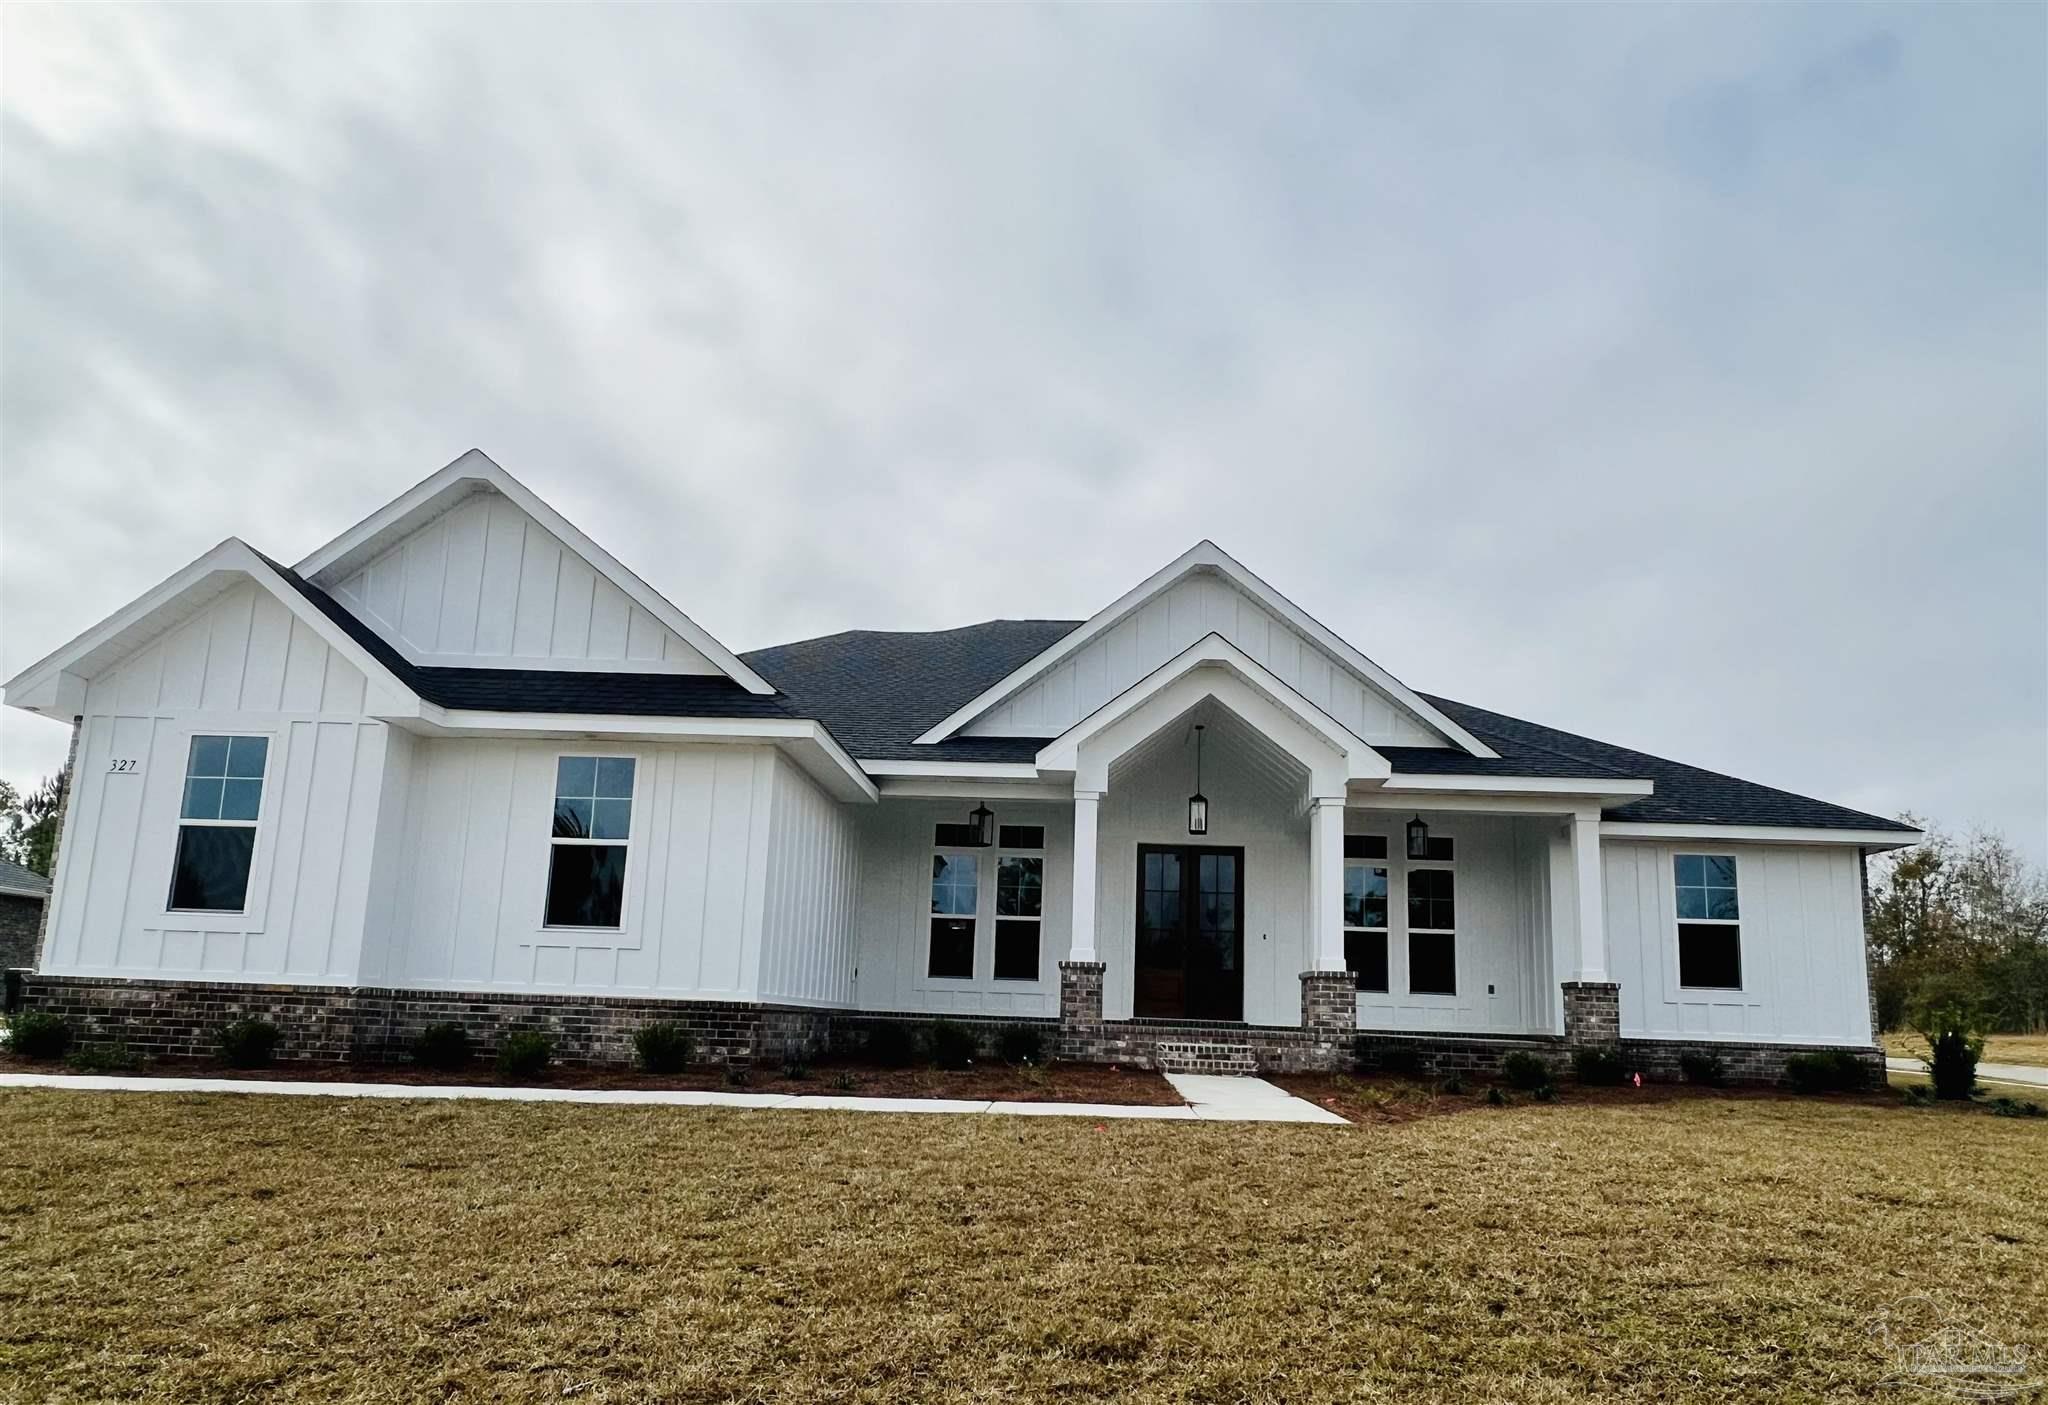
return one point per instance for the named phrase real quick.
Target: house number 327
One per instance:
(121, 764)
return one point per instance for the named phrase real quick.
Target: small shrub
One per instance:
(738, 1075)
(1827, 1071)
(845, 1081)
(1598, 1067)
(525, 1054)
(795, 1070)
(1524, 1071)
(1952, 1054)
(444, 1046)
(1454, 1086)
(1917, 1095)
(2015, 1107)
(38, 1034)
(102, 1058)
(1703, 1067)
(1022, 1044)
(1403, 1059)
(891, 1045)
(1496, 1098)
(952, 1045)
(249, 1042)
(662, 1047)
(1545, 1094)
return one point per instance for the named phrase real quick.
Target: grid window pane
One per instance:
(576, 775)
(1016, 951)
(615, 777)
(1705, 887)
(1692, 871)
(211, 872)
(1365, 896)
(1365, 956)
(1692, 902)
(572, 818)
(955, 883)
(1432, 899)
(208, 757)
(952, 956)
(1021, 836)
(955, 836)
(1432, 964)
(239, 800)
(1710, 955)
(611, 819)
(586, 885)
(246, 756)
(1020, 887)
(202, 799)
(1365, 846)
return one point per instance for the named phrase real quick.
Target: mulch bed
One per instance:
(1391, 1098)
(1058, 1081)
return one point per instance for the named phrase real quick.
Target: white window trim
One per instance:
(249, 917)
(997, 917)
(981, 879)
(1677, 963)
(553, 840)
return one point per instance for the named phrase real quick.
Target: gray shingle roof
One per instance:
(16, 879)
(878, 691)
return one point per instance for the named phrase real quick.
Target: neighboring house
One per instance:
(460, 763)
(23, 892)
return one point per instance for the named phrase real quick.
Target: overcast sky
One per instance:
(1674, 376)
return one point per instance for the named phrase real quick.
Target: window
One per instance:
(1432, 931)
(1365, 911)
(1709, 922)
(587, 854)
(1020, 903)
(956, 890)
(1021, 836)
(217, 816)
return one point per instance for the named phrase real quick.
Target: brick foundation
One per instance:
(1656, 1059)
(1592, 1014)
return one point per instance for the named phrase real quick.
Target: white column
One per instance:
(1082, 936)
(1589, 888)
(1326, 879)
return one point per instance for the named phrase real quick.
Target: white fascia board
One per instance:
(807, 742)
(1601, 787)
(1213, 651)
(59, 677)
(466, 475)
(1207, 556)
(1873, 839)
(39, 894)
(940, 788)
(957, 770)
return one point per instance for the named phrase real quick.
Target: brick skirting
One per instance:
(1658, 1059)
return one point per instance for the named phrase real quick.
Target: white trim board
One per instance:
(1875, 839)
(1207, 556)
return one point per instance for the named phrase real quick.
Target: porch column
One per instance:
(1326, 880)
(1591, 963)
(1082, 934)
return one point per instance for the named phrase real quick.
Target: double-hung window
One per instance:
(1020, 902)
(956, 903)
(593, 827)
(1433, 925)
(1365, 910)
(217, 814)
(1709, 921)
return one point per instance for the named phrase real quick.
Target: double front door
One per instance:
(1190, 951)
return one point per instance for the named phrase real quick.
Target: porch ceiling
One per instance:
(1229, 743)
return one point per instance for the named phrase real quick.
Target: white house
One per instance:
(460, 762)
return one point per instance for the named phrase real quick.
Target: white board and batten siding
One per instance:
(1168, 624)
(242, 664)
(483, 584)
(1803, 975)
(893, 916)
(808, 953)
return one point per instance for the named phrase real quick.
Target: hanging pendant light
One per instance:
(1198, 803)
(1418, 839)
(981, 822)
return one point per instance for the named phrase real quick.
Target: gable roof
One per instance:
(476, 472)
(20, 882)
(1206, 556)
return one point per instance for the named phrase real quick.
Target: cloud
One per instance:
(1674, 376)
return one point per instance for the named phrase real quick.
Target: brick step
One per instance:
(1204, 1056)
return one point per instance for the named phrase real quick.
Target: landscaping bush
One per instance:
(845, 1080)
(249, 1042)
(795, 1070)
(1496, 1098)
(526, 1053)
(38, 1034)
(1703, 1067)
(1545, 1094)
(1917, 1095)
(1022, 1044)
(1454, 1086)
(1404, 1059)
(662, 1047)
(1828, 1071)
(738, 1075)
(1598, 1067)
(102, 1058)
(1524, 1071)
(891, 1045)
(952, 1045)
(2015, 1107)
(443, 1046)
(1953, 1048)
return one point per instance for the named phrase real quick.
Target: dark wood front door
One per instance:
(1190, 954)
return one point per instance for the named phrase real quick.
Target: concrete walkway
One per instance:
(1209, 1100)
(2020, 1075)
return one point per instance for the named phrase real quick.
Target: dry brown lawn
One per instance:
(239, 1248)
(1998, 1048)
